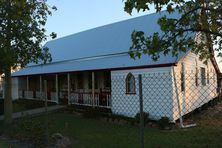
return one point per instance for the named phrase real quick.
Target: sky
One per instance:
(74, 16)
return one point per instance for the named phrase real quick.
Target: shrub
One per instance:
(117, 117)
(163, 123)
(145, 117)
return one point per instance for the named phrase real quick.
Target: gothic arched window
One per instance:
(130, 84)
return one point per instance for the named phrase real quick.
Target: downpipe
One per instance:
(179, 108)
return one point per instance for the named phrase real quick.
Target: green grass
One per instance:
(4, 145)
(93, 133)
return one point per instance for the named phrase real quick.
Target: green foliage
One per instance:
(21, 34)
(201, 17)
(163, 123)
(145, 117)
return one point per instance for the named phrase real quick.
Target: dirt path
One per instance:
(32, 112)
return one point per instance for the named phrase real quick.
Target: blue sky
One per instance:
(75, 16)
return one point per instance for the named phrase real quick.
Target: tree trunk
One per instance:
(209, 41)
(8, 97)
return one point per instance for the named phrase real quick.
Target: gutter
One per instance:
(95, 70)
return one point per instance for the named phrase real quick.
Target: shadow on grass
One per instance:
(94, 133)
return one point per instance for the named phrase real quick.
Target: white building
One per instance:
(93, 68)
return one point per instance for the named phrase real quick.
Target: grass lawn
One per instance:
(4, 145)
(94, 133)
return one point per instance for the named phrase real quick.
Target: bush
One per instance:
(163, 123)
(145, 117)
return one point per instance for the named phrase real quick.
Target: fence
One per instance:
(149, 102)
(185, 99)
(88, 99)
(37, 95)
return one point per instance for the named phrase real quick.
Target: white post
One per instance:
(93, 89)
(178, 99)
(40, 87)
(57, 89)
(68, 81)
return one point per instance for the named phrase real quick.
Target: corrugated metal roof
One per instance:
(110, 62)
(105, 40)
(108, 39)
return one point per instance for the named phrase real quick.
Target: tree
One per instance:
(202, 17)
(21, 34)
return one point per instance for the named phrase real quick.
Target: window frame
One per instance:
(182, 78)
(196, 74)
(127, 83)
(203, 76)
(208, 75)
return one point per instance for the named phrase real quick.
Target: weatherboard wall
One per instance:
(157, 99)
(193, 95)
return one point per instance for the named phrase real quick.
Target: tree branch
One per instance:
(203, 30)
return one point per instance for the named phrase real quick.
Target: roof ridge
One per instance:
(106, 25)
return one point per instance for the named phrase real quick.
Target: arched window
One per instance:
(130, 84)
